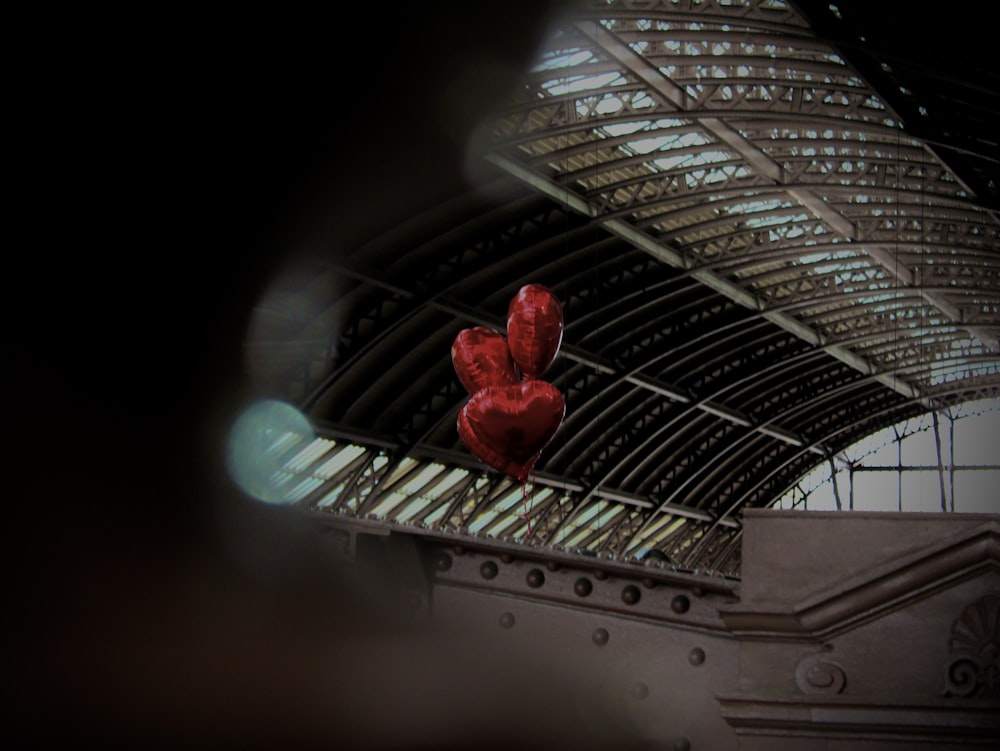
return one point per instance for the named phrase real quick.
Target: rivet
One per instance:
(601, 574)
(507, 620)
(680, 604)
(631, 595)
(552, 566)
(583, 587)
(535, 578)
(648, 583)
(507, 558)
(488, 570)
(459, 550)
(600, 636)
(681, 744)
(819, 676)
(640, 690)
(442, 562)
(698, 592)
(696, 656)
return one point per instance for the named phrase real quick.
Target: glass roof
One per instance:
(760, 260)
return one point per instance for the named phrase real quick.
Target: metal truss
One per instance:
(759, 263)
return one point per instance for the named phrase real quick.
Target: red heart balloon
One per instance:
(481, 359)
(534, 329)
(507, 427)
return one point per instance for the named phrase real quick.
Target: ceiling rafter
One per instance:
(708, 278)
(720, 334)
(674, 95)
(575, 354)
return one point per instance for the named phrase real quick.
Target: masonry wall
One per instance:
(874, 631)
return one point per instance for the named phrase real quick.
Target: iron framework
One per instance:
(760, 262)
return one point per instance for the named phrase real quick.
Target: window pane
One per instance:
(977, 439)
(977, 491)
(919, 449)
(921, 491)
(875, 491)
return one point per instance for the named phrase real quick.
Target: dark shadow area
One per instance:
(173, 161)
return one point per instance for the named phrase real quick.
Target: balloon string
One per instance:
(524, 495)
(524, 504)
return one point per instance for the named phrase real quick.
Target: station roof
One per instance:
(774, 228)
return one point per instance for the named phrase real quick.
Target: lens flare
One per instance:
(263, 438)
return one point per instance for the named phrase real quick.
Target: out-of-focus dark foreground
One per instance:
(172, 161)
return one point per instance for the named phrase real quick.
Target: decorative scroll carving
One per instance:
(974, 668)
(818, 675)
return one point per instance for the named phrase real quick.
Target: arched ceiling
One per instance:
(769, 237)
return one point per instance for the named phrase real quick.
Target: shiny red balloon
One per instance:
(534, 329)
(481, 358)
(506, 427)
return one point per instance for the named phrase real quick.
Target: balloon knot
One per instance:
(527, 517)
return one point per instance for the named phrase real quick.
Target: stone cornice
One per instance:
(883, 717)
(888, 586)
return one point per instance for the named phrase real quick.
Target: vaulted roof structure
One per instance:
(772, 233)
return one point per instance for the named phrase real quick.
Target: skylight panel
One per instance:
(586, 516)
(583, 83)
(952, 370)
(517, 496)
(520, 532)
(692, 160)
(813, 258)
(513, 497)
(564, 59)
(404, 466)
(284, 442)
(413, 486)
(654, 528)
(675, 524)
(313, 451)
(511, 504)
(597, 522)
(363, 488)
(647, 145)
(624, 129)
(388, 504)
(753, 207)
(437, 515)
(331, 497)
(666, 141)
(417, 505)
(338, 461)
(795, 232)
(304, 488)
(483, 519)
(642, 100)
(609, 105)
(449, 482)
(757, 215)
(579, 537)
(423, 477)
